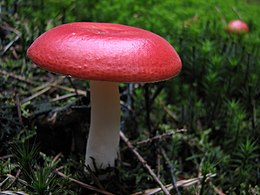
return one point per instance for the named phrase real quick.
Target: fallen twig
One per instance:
(46, 88)
(18, 179)
(18, 35)
(18, 77)
(3, 182)
(12, 192)
(170, 113)
(79, 92)
(84, 185)
(14, 179)
(35, 95)
(172, 170)
(217, 190)
(6, 156)
(23, 79)
(160, 137)
(141, 159)
(183, 183)
(63, 97)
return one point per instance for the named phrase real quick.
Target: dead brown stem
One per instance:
(23, 79)
(19, 112)
(141, 159)
(160, 137)
(183, 183)
(14, 179)
(84, 185)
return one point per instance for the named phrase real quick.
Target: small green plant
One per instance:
(244, 162)
(45, 181)
(26, 156)
(236, 124)
(41, 178)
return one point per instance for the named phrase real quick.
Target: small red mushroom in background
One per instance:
(237, 27)
(105, 54)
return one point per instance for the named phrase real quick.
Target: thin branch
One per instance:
(18, 77)
(79, 92)
(172, 169)
(23, 79)
(35, 95)
(160, 137)
(217, 190)
(141, 159)
(62, 97)
(3, 182)
(72, 84)
(14, 179)
(18, 179)
(170, 113)
(18, 35)
(181, 183)
(6, 156)
(46, 88)
(84, 185)
(9, 45)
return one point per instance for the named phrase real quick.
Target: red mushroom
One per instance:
(237, 27)
(105, 54)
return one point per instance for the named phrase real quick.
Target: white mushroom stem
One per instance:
(103, 139)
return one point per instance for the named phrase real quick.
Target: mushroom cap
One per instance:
(237, 26)
(105, 52)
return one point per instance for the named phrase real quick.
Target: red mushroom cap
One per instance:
(105, 52)
(237, 26)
